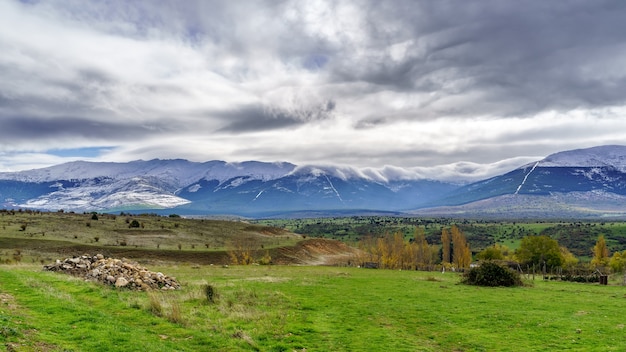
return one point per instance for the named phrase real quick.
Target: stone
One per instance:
(121, 282)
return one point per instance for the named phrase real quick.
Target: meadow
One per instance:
(303, 308)
(281, 307)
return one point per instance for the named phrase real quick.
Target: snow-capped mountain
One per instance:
(571, 183)
(211, 187)
(590, 181)
(602, 156)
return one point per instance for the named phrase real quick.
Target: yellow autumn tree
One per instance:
(423, 251)
(368, 250)
(242, 251)
(600, 253)
(569, 259)
(462, 256)
(618, 262)
(392, 251)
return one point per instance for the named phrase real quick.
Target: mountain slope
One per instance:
(246, 188)
(590, 181)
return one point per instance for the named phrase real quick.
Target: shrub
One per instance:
(210, 292)
(134, 224)
(492, 274)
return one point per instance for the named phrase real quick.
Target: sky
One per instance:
(465, 89)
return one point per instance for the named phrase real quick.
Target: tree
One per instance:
(392, 251)
(495, 252)
(461, 255)
(242, 251)
(539, 250)
(600, 253)
(617, 262)
(423, 251)
(445, 246)
(569, 259)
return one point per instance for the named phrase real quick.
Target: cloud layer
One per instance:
(413, 84)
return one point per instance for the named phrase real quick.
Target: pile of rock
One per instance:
(110, 271)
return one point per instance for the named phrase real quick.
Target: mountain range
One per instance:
(578, 183)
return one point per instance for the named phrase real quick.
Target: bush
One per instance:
(492, 274)
(210, 292)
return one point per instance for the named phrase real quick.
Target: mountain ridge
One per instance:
(597, 175)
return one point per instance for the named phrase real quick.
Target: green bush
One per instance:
(492, 274)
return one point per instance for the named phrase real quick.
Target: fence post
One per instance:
(604, 279)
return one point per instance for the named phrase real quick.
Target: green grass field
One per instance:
(286, 308)
(291, 308)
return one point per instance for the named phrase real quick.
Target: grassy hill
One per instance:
(42, 236)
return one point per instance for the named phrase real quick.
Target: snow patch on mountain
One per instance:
(177, 173)
(602, 156)
(194, 188)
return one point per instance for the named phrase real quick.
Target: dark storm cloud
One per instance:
(512, 58)
(261, 118)
(20, 128)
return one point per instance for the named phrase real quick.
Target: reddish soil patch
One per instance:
(318, 251)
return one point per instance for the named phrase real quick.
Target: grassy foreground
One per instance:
(287, 308)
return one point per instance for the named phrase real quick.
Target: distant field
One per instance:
(578, 237)
(287, 308)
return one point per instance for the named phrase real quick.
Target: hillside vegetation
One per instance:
(579, 237)
(43, 236)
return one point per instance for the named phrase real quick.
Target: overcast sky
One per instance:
(473, 87)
